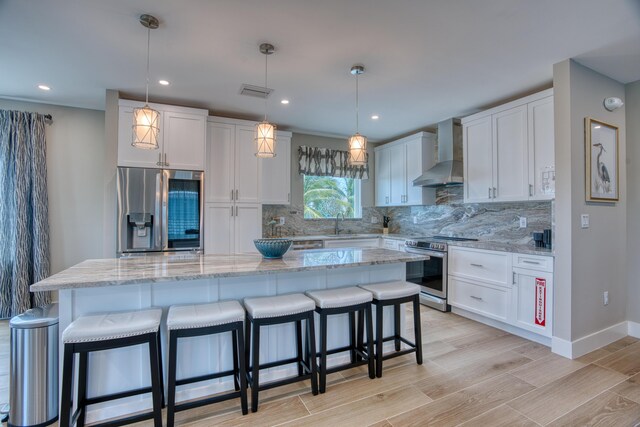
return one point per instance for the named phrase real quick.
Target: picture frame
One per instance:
(601, 161)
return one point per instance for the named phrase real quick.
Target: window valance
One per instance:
(327, 162)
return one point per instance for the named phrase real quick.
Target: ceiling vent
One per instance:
(255, 91)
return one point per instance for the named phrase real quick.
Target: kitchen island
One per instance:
(96, 286)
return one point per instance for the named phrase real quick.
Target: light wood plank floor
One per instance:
(473, 375)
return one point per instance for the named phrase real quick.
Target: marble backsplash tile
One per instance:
(497, 222)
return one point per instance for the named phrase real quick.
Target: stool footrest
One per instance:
(206, 401)
(344, 366)
(398, 353)
(206, 377)
(285, 381)
(126, 420)
(115, 396)
(274, 364)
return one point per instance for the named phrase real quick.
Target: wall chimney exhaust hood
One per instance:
(448, 171)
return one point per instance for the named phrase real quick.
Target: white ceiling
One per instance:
(425, 60)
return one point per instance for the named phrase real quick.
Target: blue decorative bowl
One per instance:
(272, 248)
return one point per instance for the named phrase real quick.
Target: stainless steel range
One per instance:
(431, 274)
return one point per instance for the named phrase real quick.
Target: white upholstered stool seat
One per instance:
(109, 326)
(340, 297)
(190, 316)
(392, 290)
(280, 305)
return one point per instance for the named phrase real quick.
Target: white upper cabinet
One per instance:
(276, 173)
(541, 150)
(509, 151)
(478, 160)
(247, 167)
(398, 163)
(219, 171)
(181, 140)
(510, 176)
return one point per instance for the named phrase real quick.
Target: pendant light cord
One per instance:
(266, 59)
(148, 45)
(357, 106)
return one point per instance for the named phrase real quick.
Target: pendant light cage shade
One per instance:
(146, 129)
(265, 140)
(357, 150)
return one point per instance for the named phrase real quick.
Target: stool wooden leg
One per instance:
(396, 325)
(417, 329)
(82, 388)
(323, 353)
(234, 345)
(155, 381)
(160, 369)
(171, 403)
(242, 374)
(299, 346)
(247, 343)
(360, 334)
(352, 336)
(379, 339)
(369, 316)
(311, 339)
(67, 377)
(255, 380)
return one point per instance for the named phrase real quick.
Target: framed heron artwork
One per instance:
(601, 152)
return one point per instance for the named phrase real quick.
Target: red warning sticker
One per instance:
(541, 301)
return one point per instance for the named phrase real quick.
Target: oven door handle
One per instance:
(425, 253)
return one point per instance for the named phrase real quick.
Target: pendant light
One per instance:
(265, 137)
(357, 143)
(146, 120)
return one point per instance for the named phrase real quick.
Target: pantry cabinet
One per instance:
(397, 164)
(509, 151)
(276, 173)
(514, 289)
(181, 139)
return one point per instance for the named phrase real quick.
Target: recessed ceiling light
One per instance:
(44, 87)
(164, 82)
(284, 101)
(375, 117)
(597, 127)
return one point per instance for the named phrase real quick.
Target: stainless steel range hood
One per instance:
(448, 171)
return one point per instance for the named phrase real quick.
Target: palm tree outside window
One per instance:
(328, 196)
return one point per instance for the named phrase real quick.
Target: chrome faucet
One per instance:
(337, 229)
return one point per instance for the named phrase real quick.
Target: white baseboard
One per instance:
(633, 329)
(594, 341)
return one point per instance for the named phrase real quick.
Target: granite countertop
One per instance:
(347, 236)
(504, 247)
(165, 268)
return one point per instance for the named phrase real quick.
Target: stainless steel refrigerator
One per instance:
(159, 211)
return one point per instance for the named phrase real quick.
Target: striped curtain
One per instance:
(24, 218)
(316, 161)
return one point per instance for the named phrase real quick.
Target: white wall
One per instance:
(632, 106)
(297, 183)
(75, 156)
(588, 261)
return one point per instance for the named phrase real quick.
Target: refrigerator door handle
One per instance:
(157, 220)
(165, 210)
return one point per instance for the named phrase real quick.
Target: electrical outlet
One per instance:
(523, 222)
(584, 220)
(374, 220)
(605, 298)
(415, 219)
(281, 220)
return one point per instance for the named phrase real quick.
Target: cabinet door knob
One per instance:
(489, 192)
(530, 190)
(494, 192)
(236, 194)
(475, 297)
(476, 265)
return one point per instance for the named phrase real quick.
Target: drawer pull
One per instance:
(475, 297)
(476, 265)
(530, 262)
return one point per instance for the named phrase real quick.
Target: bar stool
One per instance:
(104, 332)
(278, 310)
(206, 319)
(394, 294)
(350, 301)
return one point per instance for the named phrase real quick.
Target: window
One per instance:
(327, 196)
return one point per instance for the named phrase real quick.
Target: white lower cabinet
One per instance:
(231, 228)
(352, 243)
(525, 300)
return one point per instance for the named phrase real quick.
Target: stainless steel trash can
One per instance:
(33, 367)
